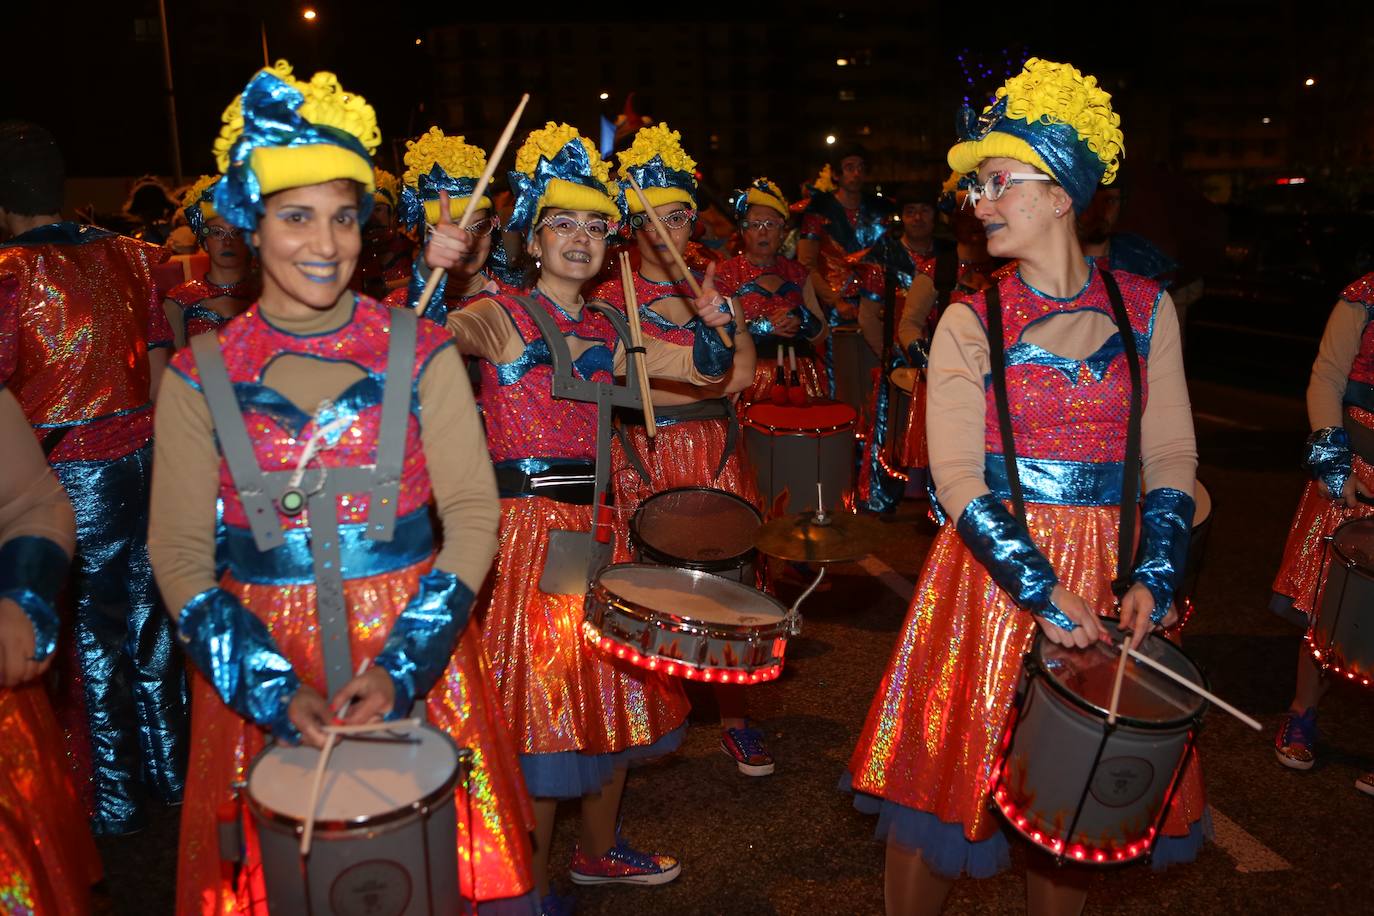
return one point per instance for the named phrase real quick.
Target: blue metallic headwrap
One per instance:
(1072, 163)
(739, 201)
(654, 174)
(271, 118)
(572, 164)
(412, 206)
(194, 217)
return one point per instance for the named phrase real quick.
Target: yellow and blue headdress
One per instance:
(558, 167)
(198, 204)
(282, 133)
(663, 169)
(1050, 116)
(388, 189)
(761, 193)
(437, 163)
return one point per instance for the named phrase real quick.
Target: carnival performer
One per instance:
(339, 565)
(387, 252)
(148, 208)
(697, 444)
(774, 293)
(48, 861)
(1340, 458)
(579, 716)
(989, 584)
(443, 169)
(198, 306)
(90, 342)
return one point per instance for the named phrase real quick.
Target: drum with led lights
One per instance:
(686, 623)
(1078, 787)
(793, 448)
(697, 528)
(1342, 633)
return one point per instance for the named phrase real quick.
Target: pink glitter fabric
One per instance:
(250, 344)
(647, 292)
(192, 293)
(755, 301)
(1362, 292)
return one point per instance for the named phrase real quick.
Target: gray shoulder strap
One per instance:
(391, 433)
(234, 442)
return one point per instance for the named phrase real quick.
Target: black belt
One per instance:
(573, 482)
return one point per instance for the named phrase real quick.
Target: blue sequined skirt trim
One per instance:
(570, 774)
(360, 556)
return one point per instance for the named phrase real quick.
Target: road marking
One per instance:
(898, 584)
(1227, 421)
(1249, 853)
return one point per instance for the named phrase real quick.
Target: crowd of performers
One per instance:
(447, 484)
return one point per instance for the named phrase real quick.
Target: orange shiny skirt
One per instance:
(48, 860)
(932, 732)
(1300, 571)
(462, 703)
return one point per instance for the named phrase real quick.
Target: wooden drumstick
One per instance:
(627, 280)
(677, 256)
(1116, 685)
(1195, 688)
(493, 161)
(330, 740)
(370, 727)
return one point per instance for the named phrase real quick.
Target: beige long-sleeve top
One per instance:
(1335, 356)
(920, 300)
(181, 532)
(32, 501)
(957, 414)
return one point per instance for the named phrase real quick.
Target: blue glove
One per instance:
(421, 641)
(1166, 525)
(1328, 458)
(918, 353)
(1003, 545)
(236, 654)
(437, 309)
(810, 323)
(710, 355)
(760, 328)
(32, 570)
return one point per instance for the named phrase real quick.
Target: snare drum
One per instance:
(385, 839)
(853, 363)
(1077, 787)
(1342, 633)
(697, 528)
(794, 448)
(686, 623)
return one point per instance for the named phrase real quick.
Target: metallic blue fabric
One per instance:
(422, 638)
(810, 322)
(760, 328)
(198, 311)
(195, 218)
(654, 174)
(918, 353)
(594, 359)
(1136, 255)
(236, 654)
(62, 233)
(271, 118)
(132, 680)
(1166, 528)
(437, 309)
(1003, 545)
(874, 216)
(571, 164)
(32, 570)
(884, 490)
(739, 200)
(894, 258)
(1328, 458)
(292, 564)
(1076, 167)
(710, 355)
(1358, 394)
(1055, 482)
(412, 204)
(572, 774)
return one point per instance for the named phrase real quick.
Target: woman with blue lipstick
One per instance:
(1002, 573)
(339, 565)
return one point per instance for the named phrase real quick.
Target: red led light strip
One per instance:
(676, 667)
(1332, 661)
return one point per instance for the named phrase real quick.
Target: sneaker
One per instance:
(554, 905)
(623, 865)
(1365, 783)
(1296, 741)
(745, 745)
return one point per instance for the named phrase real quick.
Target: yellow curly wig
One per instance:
(192, 196)
(665, 143)
(454, 155)
(825, 180)
(388, 187)
(772, 198)
(547, 141)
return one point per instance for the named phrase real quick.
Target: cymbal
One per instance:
(842, 536)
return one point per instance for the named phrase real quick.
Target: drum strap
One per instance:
(1130, 473)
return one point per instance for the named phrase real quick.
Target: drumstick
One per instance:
(677, 257)
(627, 280)
(309, 832)
(369, 727)
(1116, 685)
(492, 162)
(1195, 688)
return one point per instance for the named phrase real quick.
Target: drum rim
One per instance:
(412, 810)
(811, 432)
(607, 598)
(1035, 667)
(1347, 561)
(667, 559)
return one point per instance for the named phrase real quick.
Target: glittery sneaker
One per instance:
(1365, 783)
(1295, 744)
(745, 745)
(623, 865)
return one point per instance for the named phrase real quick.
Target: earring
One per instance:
(538, 264)
(1056, 211)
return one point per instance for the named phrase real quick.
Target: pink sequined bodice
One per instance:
(279, 429)
(523, 418)
(1061, 408)
(1362, 293)
(647, 292)
(738, 279)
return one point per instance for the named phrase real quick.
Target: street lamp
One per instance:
(605, 96)
(309, 14)
(829, 139)
(842, 62)
(1310, 81)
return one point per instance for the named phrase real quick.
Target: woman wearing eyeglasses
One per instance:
(442, 172)
(774, 293)
(198, 306)
(997, 577)
(579, 716)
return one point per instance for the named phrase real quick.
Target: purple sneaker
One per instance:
(623, 865)
(745, 745)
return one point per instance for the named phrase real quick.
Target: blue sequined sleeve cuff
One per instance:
(760, 329)
(236, 654)
(918, 353)
(1328, 458)
(1166, 525)
(1003, 545)
(811, 326)
(32, 570)
(418, 648)
(437, 309)
(710, 355)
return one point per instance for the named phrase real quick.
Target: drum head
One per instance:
(1148, 698)
(690, 594)
(1354, 541)
(1202, 501)
(816, 416)
(904, 378)
(697, 525)
(368, 776)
